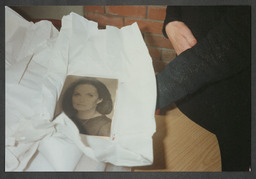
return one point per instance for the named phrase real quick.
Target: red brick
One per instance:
(155, 53)
(146, 25)
(168, 55)
(98, 9)
(104, 20)
(131, 11)
(92, 16)
(156, 40)
(156, 13)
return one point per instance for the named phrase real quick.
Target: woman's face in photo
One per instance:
(85, 98)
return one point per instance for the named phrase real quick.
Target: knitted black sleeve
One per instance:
(224, 52)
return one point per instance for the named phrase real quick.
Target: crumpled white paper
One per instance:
(38, 59)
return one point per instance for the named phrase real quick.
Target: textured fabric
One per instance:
(223, 52)
(210, 83)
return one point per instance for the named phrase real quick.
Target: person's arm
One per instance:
(172, 14)
(223, 52)
(180, 36)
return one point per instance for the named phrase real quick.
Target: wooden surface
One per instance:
(182, 145)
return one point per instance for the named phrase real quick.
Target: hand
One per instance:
(180, 36)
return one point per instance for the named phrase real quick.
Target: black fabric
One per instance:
(199, 18)
(210, 83)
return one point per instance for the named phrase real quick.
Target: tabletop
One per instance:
(181, 145)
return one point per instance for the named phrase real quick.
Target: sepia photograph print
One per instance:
(89, 103)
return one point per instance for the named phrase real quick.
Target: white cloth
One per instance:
(27, 119)
(36, 68)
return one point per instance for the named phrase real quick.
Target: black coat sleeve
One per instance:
(225, 51)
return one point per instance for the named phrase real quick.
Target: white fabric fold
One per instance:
(120, 54)
(38, 60)
(28, 52)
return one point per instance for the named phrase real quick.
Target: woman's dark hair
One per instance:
(105, 107)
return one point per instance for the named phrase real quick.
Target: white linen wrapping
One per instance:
(38, 60)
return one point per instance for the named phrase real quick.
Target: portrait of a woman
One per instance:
(86, 102)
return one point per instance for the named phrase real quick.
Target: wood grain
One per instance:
(182, 145)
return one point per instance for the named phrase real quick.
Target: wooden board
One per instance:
(182, 145)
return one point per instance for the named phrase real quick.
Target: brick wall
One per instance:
(150, 20)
